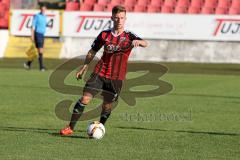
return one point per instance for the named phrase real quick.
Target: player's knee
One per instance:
(86, 99)
(40, 50)
(107, 106)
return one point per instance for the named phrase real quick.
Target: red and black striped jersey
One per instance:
(117, 48)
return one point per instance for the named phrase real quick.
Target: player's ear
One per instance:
(112, 18)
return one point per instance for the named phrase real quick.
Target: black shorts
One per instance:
(110, 89)
(39, 40)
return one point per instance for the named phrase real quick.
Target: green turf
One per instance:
(198, 119)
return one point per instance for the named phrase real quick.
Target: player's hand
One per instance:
(135, 43)
(32, 38)
(81, 72)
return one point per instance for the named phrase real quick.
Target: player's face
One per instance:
(119, 20)
(43, 10)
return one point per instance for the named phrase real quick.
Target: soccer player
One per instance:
(37, 36)
(110, 70)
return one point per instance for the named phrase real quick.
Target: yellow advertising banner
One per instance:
(17, 47)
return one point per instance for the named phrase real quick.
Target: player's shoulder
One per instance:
(104, 33)
(37, 15)
(130, 32)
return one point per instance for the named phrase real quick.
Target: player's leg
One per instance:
(40, 59)
(39, 41)
(76, 114)
(27, 65)
(40, 52)
(90, 90)
(106, 111)
(111, 91)
(79, 108)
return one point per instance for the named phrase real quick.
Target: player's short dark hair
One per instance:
(42, 5)
(118, 9)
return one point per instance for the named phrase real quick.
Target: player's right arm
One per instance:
(33, 28)
(90, 55)
(96, 46)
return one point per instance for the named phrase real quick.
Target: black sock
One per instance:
(29, 63)
(40, 60)
(105, 115)
(77, 112)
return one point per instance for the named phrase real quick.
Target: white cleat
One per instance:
(27, 67)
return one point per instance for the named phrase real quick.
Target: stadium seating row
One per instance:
(164, 6)
(4, 13)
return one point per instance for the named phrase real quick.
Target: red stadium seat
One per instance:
(210, 3)
(194, 10)
(6, 2)
(153, 9)
(138, 8)
(167, 9)
(142, 2)
(116, 2)
(196, 3)
(129, 8)
(86, 7)
(3, 23)
(183, 3)
(4, 13)
(103, 2)
(207, 10)
(2, 8)
(4, 16)
(109, 8)
(130, 2)
(180, 10)
(156, 3)
(234, 11)
(235, 4)
(90, 2)
(170, 3)
(224, 3)
(72, 6)
(220, 10)
(98, 7)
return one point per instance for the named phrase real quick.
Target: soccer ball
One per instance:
(96, 130)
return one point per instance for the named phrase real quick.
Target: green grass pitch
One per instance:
(198, 119)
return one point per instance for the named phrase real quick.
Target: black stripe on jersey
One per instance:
(120, 65)
(108, 31)
(101, 65)
(121, 55)
(111, 38)
(114, 57)
(101, 61)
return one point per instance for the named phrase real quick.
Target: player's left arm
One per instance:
(96, 46)
(34, 23)
(139, 43)
(89, 57)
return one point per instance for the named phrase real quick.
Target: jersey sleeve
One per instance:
(134, 37)
(98, 43)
